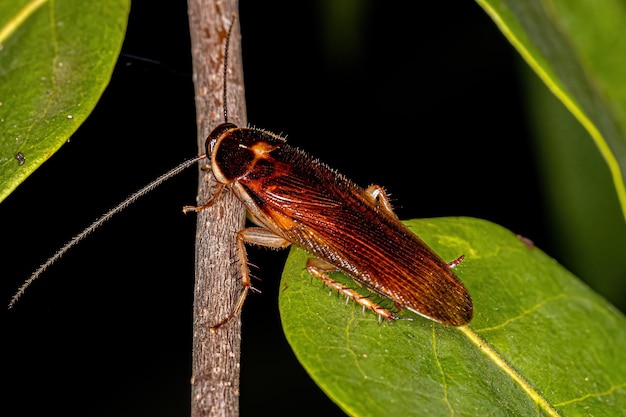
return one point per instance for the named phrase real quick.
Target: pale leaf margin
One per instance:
(563, 63)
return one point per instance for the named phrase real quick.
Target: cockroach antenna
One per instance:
(107, 216)
(131, 199)
(224, 83)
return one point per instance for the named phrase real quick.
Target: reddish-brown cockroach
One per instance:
(298, 200)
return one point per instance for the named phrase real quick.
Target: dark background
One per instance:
(425, 102)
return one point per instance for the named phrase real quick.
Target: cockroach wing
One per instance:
(316, 208)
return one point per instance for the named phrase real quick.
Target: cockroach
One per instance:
(296, 199)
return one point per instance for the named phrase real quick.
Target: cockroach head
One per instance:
(211, 140)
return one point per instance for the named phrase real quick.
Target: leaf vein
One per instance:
(443, 376)
(500, 362)
(522, 314)
(591, 395)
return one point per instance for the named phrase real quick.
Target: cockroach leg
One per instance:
(456, 262)
(380, 197)
(262, 237)
(217, 192)
(233, 313)
(256, 236)
(320, 269)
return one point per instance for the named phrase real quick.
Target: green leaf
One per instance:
(540, 343)
(578, 50)
(56, 58)
(583, 213)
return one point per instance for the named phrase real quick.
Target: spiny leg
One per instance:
(217, 192)
(256, 236)
(380, 197)
(320, 269)
(456, 262)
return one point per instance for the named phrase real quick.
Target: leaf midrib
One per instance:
(501, 363)
(16, 21)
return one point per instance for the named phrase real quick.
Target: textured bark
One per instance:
(216, 356)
